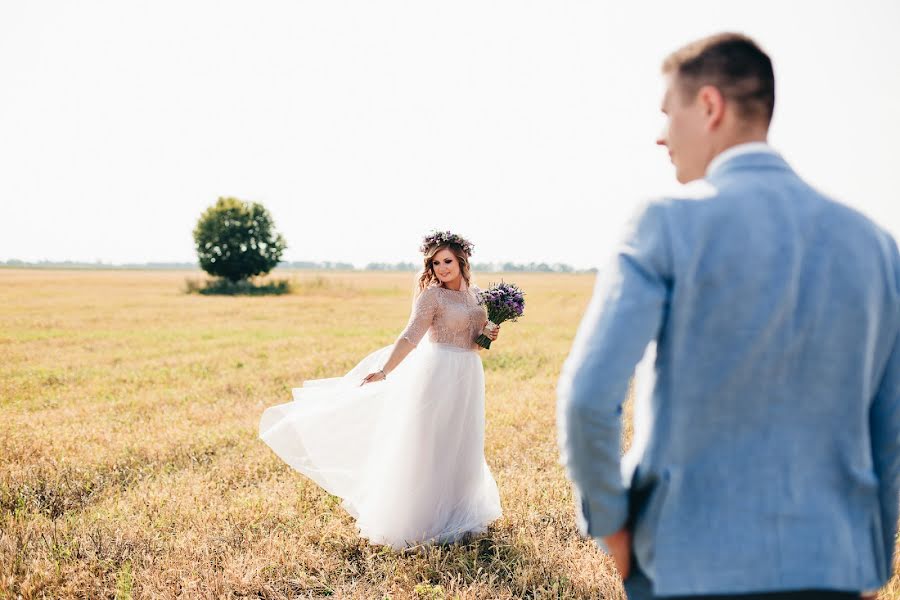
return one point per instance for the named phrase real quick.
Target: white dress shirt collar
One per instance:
(729, 153)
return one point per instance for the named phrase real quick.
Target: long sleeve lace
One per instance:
(423, 313)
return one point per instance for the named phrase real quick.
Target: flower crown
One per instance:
(440, 238)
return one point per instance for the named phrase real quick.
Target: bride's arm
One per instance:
(401, 348)
(420, 321)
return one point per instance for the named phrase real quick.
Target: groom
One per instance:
(768, 457)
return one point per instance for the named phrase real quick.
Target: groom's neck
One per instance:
(745, 137)
(736, 140)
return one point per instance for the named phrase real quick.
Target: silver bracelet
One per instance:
(383, 374)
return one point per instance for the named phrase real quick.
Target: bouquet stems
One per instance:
(483, 340)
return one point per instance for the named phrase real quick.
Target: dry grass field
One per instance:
(130, 465)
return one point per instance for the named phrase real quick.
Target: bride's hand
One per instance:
(372, 377)
(493, 335)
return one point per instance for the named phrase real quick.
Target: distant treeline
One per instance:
(495, 267)
(74, 264)
(306, 265)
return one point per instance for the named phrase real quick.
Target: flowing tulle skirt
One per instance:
(406, 454)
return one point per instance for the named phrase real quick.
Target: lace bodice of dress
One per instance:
(453, 317)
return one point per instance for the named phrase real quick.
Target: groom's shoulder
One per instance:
(695, 193)
(660, 217)
(848, 216)
(842, 220)
(687, 198)
(863, 232)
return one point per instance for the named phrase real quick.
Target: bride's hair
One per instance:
(427, 277)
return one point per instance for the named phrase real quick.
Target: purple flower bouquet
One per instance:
(504, 302)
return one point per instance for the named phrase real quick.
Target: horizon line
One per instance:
(400, 266)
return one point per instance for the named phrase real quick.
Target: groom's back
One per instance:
(782, 314)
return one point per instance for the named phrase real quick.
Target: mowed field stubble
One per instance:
(130, 465)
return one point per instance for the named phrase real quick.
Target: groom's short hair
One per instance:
(732, 63)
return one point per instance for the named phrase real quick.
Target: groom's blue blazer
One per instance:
(769, 455)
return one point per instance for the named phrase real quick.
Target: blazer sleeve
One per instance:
(626, 313)
(884, 419)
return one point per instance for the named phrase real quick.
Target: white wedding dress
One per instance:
(405, 454)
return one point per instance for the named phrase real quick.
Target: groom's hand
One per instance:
(619, 544)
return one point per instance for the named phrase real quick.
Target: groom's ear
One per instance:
(712, 103)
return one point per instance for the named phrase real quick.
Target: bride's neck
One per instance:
(455, 285)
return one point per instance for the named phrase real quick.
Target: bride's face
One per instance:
(445, 265)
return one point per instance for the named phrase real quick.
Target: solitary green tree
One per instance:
(237, 240)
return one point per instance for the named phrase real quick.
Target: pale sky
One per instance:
(526, 126)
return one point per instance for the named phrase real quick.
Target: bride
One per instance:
(400, 438)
